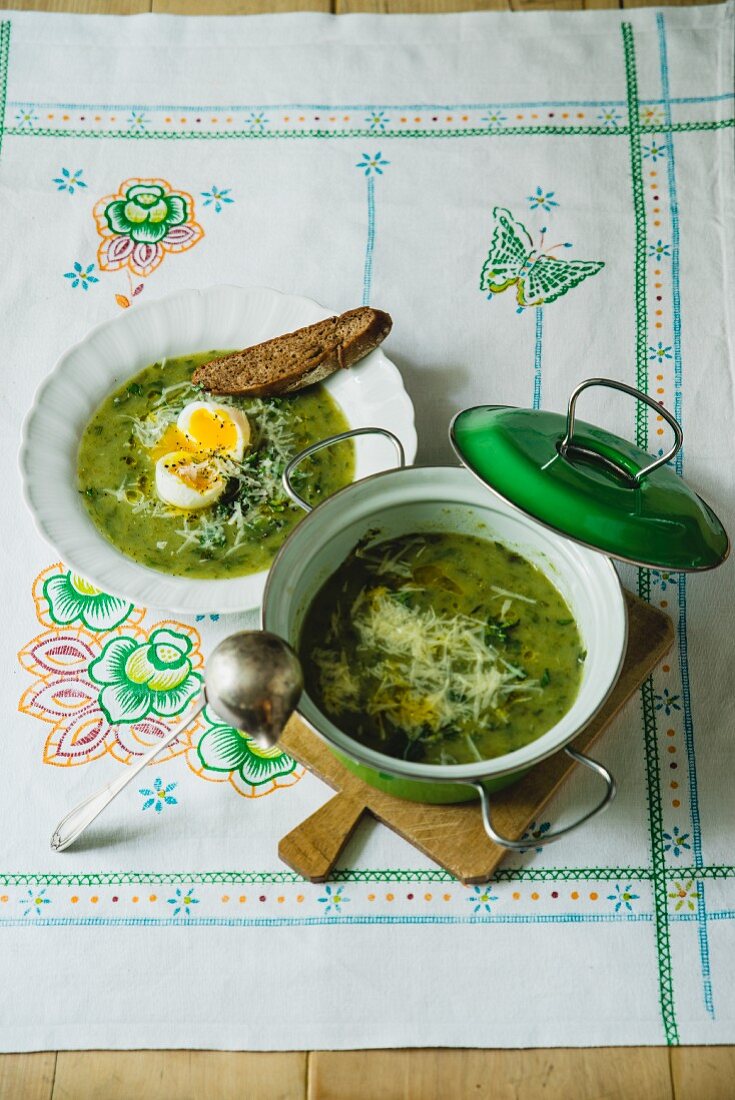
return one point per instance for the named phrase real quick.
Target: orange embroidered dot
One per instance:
(135, 898)
(565, 114)
(656, 221)
(404, 120)
(652, 174)
(657, 271)
(519, 117)
(664, 603)
(5, 898)
(299, 898)
(674, 785)
(371, 897)
(534, 116)
(676, 803)
(447, 897)
(666, 668)
(670, 733)
(574, 895)
(594, 896)
(428, 897)
(417, 120)
(659, 325)
(49, 116)
(243, 898)
(516, 895)
(153, 897)
(94, 899)
(465, 117)
(580, 114)
(213, 120)
(389, 897)
(182, 120)
(280, 899)
(672, 748)
(225, 898)
(534, 896)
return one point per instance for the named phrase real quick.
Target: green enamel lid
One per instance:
(590, 485)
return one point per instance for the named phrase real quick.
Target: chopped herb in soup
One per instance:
(190, 483)
(441, 648)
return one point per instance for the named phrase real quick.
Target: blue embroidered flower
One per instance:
(659, 249)
(34, 902)
(481, 898)
(660, 352)
(218, 195)
(138, 120)
(533, 832)
(622, 898)
(158, 796)
(676, 842)
(333, 900)
(654, 151)
(256, 121)
(183, 900)
(609, 116)
(494, 120)
(201, 618)
(542, 200)
(663, 580)
(373, 163)
(377, 121)
(667, 702)
(68, 181)
(26, 118)
(82, 275)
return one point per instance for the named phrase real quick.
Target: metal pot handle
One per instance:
(287, 473)
(520, 845)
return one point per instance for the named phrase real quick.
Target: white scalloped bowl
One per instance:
(370, 394)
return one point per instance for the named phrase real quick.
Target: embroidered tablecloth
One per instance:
(414, 163)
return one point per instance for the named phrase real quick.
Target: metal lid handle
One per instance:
(612, 384)
(298, 459)
(521, 845)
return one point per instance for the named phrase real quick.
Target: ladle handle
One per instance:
(71, 827)
(320, 446)
(547, 838)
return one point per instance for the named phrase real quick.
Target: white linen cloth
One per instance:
(361, 158)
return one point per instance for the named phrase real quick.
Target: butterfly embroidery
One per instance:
(537, 276)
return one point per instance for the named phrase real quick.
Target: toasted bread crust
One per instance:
(297, 359)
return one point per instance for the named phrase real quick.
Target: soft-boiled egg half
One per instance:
(215, 429)
(188, 480)
(188, 475)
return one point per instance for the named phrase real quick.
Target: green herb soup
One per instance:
(441, 648)
(190, 483)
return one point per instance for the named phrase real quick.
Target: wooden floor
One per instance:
(613, 1073)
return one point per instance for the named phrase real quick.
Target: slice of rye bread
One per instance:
(297, 359)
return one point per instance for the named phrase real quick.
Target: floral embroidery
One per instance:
(68, 181)
(155, 678)
(667, 702)
(494, 120)
(34, 902)
(651, 116)
(82, 275)
(334, 899)
(138, 120)
(183, 900)
(377, 121)
(224, 749)
(256, 120)
(201, 618)
(623, 898)
(26, 118)
(684, 895)
(676, 842)
(141, 222)
(659, 353)
(220, 196)
(535, 832)
(542, 200)
(659, 249)
(374, 163)
(654, 151)
(106, 685)
(663, 580)
(71, 599)
(608, 116)
(158, 796)
(482, 899)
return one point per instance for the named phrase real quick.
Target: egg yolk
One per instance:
(213, 431)
(192, 469)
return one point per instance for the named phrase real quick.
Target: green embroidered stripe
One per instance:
(388, 135)
(401, 874)
(653, 776)
(4, 55)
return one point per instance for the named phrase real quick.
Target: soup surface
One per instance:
(222, 471)
(441, 649)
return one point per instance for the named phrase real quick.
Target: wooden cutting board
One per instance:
(453, 836)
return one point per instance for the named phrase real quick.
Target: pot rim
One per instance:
(494, 767)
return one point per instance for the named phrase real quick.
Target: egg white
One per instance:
(175, 477)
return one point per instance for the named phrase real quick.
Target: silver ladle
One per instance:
(253, 681)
